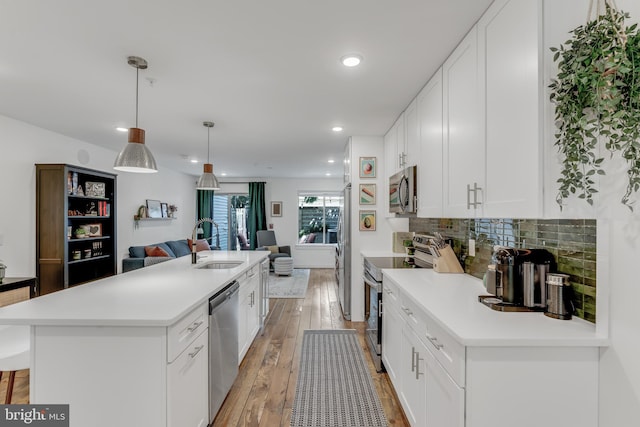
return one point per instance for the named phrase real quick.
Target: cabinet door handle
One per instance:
(434, 341)
(197, 350)
(406, 310)
(413, 359)
(194, 326)
(418, 359)
(468, 196)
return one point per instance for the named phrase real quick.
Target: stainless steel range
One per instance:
(373, 304)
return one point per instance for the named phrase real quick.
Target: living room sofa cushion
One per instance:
(155, 251)
(179, 247)
(201, 245)
(139, 252)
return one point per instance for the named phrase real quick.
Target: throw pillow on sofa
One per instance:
(155, 251)
(201, 245)
(274, 249)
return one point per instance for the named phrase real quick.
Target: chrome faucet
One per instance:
(194, 257)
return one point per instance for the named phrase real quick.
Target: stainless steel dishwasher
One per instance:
(223, 345)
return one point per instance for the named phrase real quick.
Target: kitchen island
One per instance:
(131, 349)
(455, 362)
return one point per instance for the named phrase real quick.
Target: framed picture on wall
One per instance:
(276, 208)
(367, 194)
(154, 210)
(367, 220)
(367, 167)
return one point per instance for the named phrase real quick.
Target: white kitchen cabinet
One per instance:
(464, 130)
(510, 55)
(430, 161)
(188, 386)
(413, 394)
(445, 398)
(249, 312)
(391, 338)
(410, 155)
(484, 383)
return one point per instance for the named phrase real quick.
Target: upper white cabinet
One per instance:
(464, 130)
(429, 109)
(410, 155)
(476, 128)
(510, 58)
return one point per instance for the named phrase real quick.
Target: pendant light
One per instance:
(208, 180)
(135, 156)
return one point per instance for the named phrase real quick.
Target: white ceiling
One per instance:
(267, 72)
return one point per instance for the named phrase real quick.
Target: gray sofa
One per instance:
(138, 257)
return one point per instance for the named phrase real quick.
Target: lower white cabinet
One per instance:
(188, 387)
(414, 377)
(249, 312)
(391, 339)
(445, 399)
(442, 383)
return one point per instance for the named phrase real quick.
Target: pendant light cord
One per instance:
(208, 143)
(137, 82)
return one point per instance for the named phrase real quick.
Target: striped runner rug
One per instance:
(334, 385)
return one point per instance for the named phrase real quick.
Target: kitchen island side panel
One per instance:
(110, 376)
(532, 386)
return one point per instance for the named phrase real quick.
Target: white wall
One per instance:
(23, 145)
(618, 243)
(286, 226)
(381, 238)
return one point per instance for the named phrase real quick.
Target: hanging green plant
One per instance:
(596, 98)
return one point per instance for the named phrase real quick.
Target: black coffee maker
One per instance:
(517, 276)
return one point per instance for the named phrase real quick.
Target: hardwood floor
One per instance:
(264, 390)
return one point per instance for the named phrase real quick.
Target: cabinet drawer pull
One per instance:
(194, 326)
(434, 341)
(418, 359)
(193, 354)
(413, 359)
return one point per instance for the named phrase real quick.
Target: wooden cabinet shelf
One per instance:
(95, 258)
(59, 213)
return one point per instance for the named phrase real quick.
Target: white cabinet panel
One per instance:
(464, 133)
(510, 58)
(188, 385)
(391, 338)
(430, 161)
(445, 399)
(414, 378)
(411, 153)
(249, 312)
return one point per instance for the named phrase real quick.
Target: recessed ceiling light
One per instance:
(331, 161)
(119, 129)
(223, 174)
(351, 60)
(337, 129)
(328, 174)
(194, 160)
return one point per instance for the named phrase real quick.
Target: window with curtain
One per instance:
(318, 216)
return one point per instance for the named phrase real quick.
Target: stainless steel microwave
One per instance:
(403, 195)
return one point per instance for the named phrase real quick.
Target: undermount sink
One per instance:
(219, 265)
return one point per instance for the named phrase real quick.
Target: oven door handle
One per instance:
(369, 281)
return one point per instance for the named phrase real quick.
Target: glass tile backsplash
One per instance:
(572, 243)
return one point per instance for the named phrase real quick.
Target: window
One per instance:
(318, 216)
(230, 213)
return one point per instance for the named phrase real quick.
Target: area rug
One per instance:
(334, 386)
(294, 286)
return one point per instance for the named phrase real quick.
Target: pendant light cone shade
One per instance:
(208, 180)
(135, 156)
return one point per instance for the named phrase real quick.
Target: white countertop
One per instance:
(452, 301)
(157, 295)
